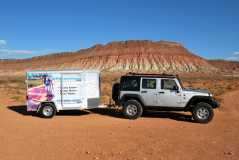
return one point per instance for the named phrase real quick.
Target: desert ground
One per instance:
(105, 134)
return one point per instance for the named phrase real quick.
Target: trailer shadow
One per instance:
(72, 113)
(21, 109)
(111, 112)
(147, 114)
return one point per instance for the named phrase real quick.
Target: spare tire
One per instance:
(115, 92)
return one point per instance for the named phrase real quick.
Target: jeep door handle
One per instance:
(143, 91)
(161, 92)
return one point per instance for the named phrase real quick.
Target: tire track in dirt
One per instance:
(106, 135)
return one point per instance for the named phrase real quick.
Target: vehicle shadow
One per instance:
(169, 114)
(111, 112)
(147, 114)
(21, 109)
(73, 113)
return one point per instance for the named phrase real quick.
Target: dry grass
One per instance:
(17, 82)
(16, 97)
(218, 85)
(107, 81)
(14, 86)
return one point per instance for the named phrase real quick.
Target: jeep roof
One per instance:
(163, 75)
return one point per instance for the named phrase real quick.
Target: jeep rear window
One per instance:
(130, 84)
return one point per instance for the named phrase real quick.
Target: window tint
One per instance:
(169, 84)
(130, 84)
(149, 83)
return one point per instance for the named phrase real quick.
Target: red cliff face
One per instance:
(137, 56)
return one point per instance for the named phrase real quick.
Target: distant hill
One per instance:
(226, 66)
(137, 56)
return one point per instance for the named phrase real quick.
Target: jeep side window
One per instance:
(130, 84)
(169, 84)
(149, 83)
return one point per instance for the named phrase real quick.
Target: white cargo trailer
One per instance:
(51, 91)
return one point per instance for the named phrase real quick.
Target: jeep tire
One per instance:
(132, 109)
(47, 110)
(202, 112)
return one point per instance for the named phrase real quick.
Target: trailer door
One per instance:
(73, 91)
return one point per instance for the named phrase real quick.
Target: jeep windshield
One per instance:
(181, 83)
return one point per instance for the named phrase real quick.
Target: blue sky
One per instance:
(209, 28)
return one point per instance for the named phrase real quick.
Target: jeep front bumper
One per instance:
(215, 104)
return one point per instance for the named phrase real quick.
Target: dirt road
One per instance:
(105, 134)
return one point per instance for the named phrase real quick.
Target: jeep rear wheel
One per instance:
(132, 109)
(203, 112)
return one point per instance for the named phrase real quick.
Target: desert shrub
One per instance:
(107, 81)
(15, 97)
(12, 81)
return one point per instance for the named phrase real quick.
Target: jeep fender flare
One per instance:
(196, 99)
(127, 97)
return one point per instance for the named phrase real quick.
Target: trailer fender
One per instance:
(40, 105)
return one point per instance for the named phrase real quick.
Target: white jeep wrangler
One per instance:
(139, 92)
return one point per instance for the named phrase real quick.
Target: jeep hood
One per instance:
(197, 91)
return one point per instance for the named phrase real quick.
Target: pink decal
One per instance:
(38, 94)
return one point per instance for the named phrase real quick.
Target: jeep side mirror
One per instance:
(175, 88)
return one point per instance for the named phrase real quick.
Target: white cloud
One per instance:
(234, 57)
(236, 53)
(3, 43)
(12, 51)
(8, 53)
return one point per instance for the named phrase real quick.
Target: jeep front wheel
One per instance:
(203, 112)
(132, 109)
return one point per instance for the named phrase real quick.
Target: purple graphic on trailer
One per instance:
(41, 90)
(48, 87)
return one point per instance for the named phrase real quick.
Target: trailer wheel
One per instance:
(47, 110)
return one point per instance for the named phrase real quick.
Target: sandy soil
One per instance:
(104, 134)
